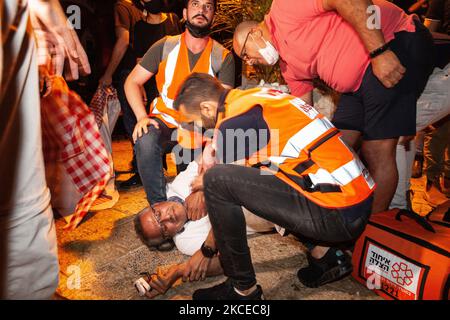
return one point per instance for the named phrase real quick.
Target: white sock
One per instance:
(244, 295)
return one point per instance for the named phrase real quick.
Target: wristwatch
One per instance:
(208, 252)
(379, 51)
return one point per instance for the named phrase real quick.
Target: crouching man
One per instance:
(300, 175)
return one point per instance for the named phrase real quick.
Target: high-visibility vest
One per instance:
(304, 150)
(174, 69)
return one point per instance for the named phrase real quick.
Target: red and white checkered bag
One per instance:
(71, 135)
(100, 100)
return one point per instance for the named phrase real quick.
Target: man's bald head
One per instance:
(241, 33)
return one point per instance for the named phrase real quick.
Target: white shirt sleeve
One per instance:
(193, 236)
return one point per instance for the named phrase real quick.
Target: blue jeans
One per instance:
(150, 150)
(128, 117)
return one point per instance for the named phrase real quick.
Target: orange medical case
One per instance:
(402, 256)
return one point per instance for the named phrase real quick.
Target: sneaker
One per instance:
(225, 291)
(333, 266)
(131, 183)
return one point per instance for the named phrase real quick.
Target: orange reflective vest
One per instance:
(174, 69)
(304, 150)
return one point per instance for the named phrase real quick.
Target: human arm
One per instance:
(386, 66)
(134, 88)
(57, 42)
(120, 47)
(123, 21)
(195, 202)
(199, 266)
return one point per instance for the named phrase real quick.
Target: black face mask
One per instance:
(154, 6)
(198, 32)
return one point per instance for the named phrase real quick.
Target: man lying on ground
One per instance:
(169, 220)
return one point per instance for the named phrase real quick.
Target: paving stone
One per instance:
(110, 256)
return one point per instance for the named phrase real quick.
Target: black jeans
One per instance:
(228, 187)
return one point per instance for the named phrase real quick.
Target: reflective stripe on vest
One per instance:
(305, 150)
(169, 71)
(305, 137)
(341, 176)
(162, 106)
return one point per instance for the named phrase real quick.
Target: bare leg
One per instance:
(351, 138)
(380, 158)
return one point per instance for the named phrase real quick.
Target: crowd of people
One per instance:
(247, 161)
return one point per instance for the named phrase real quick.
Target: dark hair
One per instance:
(198, 87)
(186, 2)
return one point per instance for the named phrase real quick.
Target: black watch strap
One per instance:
(379, 51)
(208, 252)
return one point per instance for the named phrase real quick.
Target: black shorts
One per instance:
(381, 113)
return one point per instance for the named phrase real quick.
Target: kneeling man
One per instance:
(298, 173)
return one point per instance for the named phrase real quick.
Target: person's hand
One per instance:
(208, 158)
(45, 82)
(59, 49)
(196, 267)
(161, 283)
(142, 127)
(197, 184)
(195, 206)
(388, 69)
(105, 80)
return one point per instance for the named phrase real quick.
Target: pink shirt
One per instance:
(313, 42)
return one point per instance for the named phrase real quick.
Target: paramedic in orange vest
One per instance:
(171, 60)
(295, 171)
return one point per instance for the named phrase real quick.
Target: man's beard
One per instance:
(199, 31)
(208, 123)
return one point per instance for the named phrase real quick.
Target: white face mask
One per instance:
(269, 53)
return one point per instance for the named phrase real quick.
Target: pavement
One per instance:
(103, 257)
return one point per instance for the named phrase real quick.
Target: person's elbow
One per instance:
(131, 85)
(123, 40)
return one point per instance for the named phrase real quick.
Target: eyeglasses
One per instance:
(162, 227)
(207, 6)
(243, 54)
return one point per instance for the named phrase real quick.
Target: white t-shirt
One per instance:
(195, 232)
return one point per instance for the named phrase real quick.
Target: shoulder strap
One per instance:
(169, 45)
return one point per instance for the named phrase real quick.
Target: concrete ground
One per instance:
(103, 257)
